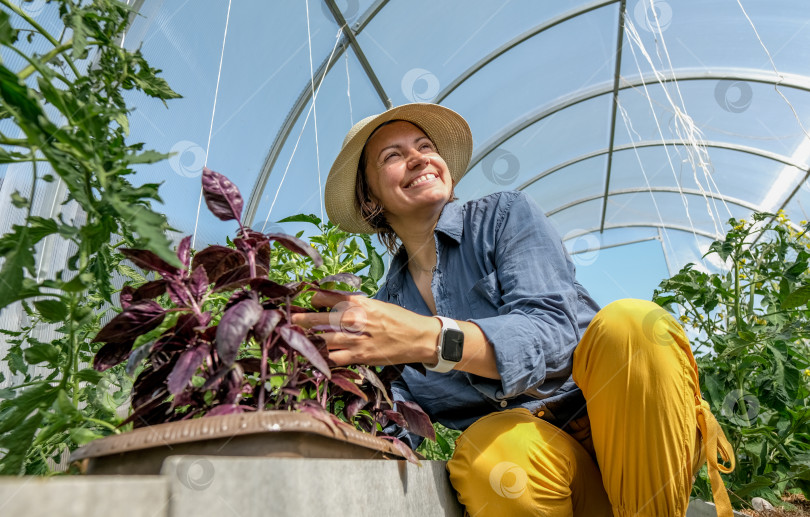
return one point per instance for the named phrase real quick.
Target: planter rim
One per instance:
(227, 426)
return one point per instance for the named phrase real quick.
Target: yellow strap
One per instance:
(714, 441)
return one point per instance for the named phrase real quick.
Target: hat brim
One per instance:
(449, 131)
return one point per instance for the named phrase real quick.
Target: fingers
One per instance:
(323, 299)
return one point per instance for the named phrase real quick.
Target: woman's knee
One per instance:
(512, 461)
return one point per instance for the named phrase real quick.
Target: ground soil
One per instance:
(802, 509)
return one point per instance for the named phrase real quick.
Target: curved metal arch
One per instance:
(663, 143)
(676, 227)
(534, 31)
(301, 102)
(671, 190)
(607, 87)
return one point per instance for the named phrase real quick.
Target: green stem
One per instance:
(33, 180)
(72, 345)
(737, 311)
(30, 69)
(18, 142)
(22, 14)
(104, 424)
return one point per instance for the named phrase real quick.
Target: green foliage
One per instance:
(750, 328)
(444, 446)
(58, 404)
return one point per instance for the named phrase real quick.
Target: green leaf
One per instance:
(52, 311)
(123, 121)
(89, 375)
(797, 298)
(79, 35)
(40, 227)
(18, 201)
(7, 33)
(302, 218)
(41, 353)
(83, 435)
(18, 261)
(147, 157)
(10, 157)
(17, 443)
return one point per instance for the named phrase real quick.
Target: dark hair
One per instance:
(372, 212)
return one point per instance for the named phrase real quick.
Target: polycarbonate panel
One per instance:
(611, 237)
(682, 247)
(665, 208)
(417, 48)
(578, 181)
(537, 73)
(798, 209)
(630, 271)
(757, 180)
(543, 145)
(336, 113)
(352, 10)
(578, 219)
(748, 113)
(263, 72)
(715, 33)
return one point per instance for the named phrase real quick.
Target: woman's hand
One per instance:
(366, 331)
(372, 332)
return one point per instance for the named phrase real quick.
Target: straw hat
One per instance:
(448, 130)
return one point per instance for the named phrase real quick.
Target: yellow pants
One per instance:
(647, 432)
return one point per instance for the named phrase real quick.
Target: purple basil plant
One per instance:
(206, 365)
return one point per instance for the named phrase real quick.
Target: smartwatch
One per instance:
(450, 346)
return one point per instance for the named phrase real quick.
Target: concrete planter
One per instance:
(142, 451)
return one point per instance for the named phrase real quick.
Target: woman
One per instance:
(566, 409)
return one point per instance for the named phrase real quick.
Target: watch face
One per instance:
(452, 345)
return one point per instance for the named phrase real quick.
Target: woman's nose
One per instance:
(417, 159)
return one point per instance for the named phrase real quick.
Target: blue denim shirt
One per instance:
(502, 266)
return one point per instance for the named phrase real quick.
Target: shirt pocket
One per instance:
(485, 296)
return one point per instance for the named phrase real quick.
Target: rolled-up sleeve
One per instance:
(536, 330)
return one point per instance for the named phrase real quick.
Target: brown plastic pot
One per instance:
(263, 433)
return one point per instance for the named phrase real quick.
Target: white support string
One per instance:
(773, 65)
(211, 128)
(349, 88)
(314, 116)
(303, 127)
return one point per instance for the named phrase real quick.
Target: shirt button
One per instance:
(504, 403)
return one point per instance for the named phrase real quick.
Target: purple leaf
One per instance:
(304, 346)
(270, 289)
(184, 250)
(232, 389)
(320, 414)
(296, 245)
(139, 318)
(346, 278)
(217, 260)
(198, 283)
(236, 278)
(225, 409)
(250, 364)
(371, 377)
(178, 293)
(221, 196)
(189, 324)
(214, 381)
(418, 421)
(234, 326)
(145, 259)
(354, 406)
(396, 417)
(263, 255)
(185, 367)
(403, 449)
(347, 385)
(111, 354)
(126, 296)
(266, 324)
(137, 356)
(149, 290)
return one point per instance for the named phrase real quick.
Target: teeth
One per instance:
(421, 179)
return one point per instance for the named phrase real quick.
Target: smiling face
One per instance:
(405, 173)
